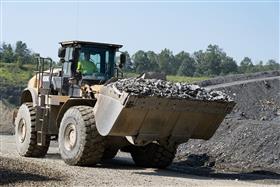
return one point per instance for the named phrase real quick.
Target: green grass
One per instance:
(175, 78)
(129, 74)
(12, 74)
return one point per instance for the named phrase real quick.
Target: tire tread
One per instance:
(92, 148)
(153, 155)
(33, 149)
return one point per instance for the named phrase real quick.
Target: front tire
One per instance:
(26, 136)
(153, 155)
(79, 141)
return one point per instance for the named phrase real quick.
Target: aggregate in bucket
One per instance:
(152, 118)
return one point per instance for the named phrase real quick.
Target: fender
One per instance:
(29, 95)
(73, 102)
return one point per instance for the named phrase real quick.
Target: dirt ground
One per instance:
(52, 171)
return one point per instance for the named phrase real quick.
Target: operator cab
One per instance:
(88, 62)
(102, 55)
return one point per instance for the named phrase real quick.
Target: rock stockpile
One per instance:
(248, 139)
(161, 88)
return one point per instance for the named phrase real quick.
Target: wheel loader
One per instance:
(92, 122)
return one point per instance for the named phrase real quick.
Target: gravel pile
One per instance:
(240, 145)
(248, 139)
(256, 100)
(161, 88)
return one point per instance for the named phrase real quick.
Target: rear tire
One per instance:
(153, 155)
(26, 136)
(79, 141)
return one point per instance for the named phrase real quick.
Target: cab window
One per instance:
(67, 64)
(96, 59)
(102, 58)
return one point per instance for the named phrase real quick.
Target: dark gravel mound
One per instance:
(161, 88)
(249, 138)
(240, 145)
(258, 100)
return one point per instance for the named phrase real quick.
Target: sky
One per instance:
(240, 28)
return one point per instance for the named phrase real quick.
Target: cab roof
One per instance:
(77, 42)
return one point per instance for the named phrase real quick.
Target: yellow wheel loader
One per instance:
(92, 121)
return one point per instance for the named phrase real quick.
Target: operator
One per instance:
(85, 66)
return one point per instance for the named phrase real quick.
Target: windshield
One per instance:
(95, 61)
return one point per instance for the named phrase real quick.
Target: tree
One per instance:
(22, 53)
(214, 61)
(246, 65)
(21, 49)
(154, 61)
(228, 65)
(7, 53)
(272, 65)
(187, 64)
(141, 62)
(201, 67)
(166, 62)
(213, 58)
(258, 67)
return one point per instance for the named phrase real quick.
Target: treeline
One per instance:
(211, 62)
(20, 54)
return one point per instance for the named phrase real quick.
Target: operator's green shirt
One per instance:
(86, 67)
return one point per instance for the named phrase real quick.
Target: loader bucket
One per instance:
(155, 118)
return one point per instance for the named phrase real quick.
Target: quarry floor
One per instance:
(52, 171)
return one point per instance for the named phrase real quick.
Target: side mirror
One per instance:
(61, 52)
(62, 60)
(122, 60)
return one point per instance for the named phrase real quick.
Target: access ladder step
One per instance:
(41, 138)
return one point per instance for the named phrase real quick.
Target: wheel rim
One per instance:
(22, 130)
(70, 137)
